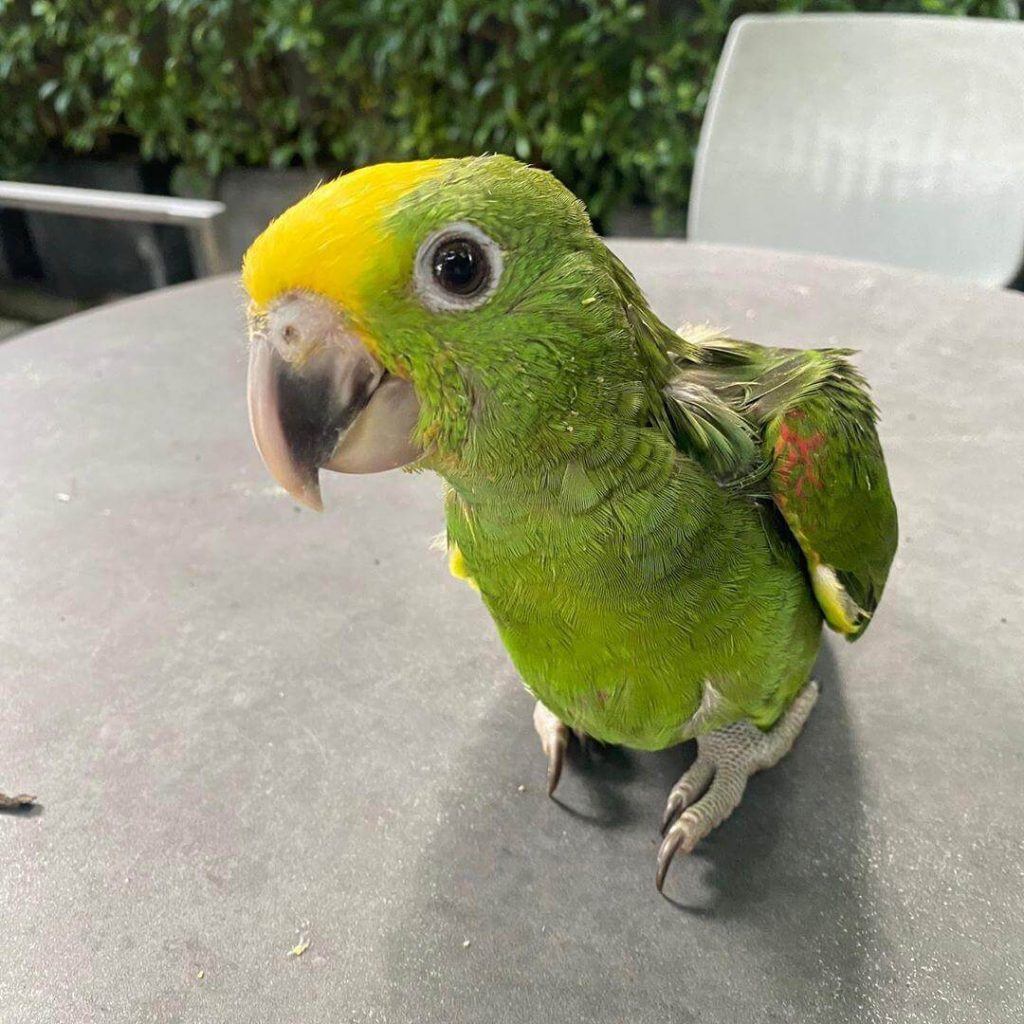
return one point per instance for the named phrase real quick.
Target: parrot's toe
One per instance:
(554, 739)
(726, 758)
(692, 783)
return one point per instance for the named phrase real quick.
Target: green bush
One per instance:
(607, 93)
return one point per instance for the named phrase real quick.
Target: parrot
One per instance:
(658, 521)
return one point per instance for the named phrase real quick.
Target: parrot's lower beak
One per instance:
(319, 400)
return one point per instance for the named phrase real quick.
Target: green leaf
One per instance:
(607, 93)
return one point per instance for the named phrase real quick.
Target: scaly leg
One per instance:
(726, 758)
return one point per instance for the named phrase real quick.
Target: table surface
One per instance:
(249, 725)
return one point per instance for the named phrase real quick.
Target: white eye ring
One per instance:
(425, 277)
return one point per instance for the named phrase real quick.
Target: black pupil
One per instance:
(460, 266)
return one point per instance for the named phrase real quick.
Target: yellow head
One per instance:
(450, 307)
(304, 250)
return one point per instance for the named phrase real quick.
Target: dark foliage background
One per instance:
(607, 93)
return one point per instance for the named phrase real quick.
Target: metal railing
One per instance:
(196, 215)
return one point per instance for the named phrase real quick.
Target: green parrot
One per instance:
(658, 521)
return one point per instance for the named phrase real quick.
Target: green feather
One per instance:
(828, 476)
(615, 492)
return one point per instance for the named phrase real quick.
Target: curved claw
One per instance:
(554, 738)
(672, 808)
(694, 780)
(556, 758)
(684, 835)
(667, 851)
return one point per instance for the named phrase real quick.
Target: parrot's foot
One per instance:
(726, 758)
(554, 739)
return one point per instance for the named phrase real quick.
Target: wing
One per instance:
(817, 449)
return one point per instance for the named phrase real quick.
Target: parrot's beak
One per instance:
(318, 399)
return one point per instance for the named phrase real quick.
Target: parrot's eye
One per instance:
(460, 266)
(457, 268)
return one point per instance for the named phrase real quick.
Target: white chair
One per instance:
(892, 138)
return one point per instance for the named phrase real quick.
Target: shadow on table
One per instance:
(560, 909)
(30, 809)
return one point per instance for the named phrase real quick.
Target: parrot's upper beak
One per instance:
(319, 400)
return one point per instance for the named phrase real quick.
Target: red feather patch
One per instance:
(795, 453)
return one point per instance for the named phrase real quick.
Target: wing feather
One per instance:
(802, 420)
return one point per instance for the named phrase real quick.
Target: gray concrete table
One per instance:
(250, 726)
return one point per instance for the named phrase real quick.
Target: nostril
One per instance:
(298, 326)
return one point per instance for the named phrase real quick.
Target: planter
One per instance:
(18, 260)
(638, 222)
(89, 259)
(253, 196)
